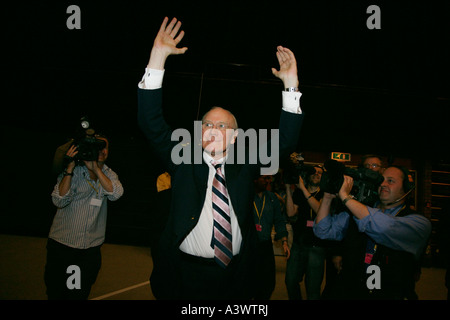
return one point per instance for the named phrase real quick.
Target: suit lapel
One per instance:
(201, 172)
(232, 180)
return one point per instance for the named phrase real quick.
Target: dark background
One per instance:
(364, 91)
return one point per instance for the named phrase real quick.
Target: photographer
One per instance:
(78, 228)
(307, 252)
(334, 285)
(372, 162)
(393, 238)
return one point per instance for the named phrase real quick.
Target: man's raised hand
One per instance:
(165, 44)
(288, 67)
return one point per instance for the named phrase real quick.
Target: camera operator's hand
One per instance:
(92, 166)
(358, 209)
(301, 184)
(64, 186)
(346, 187)
(70, 154)
(329, 196)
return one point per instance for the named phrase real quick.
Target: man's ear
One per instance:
(235, 134)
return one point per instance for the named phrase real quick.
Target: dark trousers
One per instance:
(307, 262)
(204, 279)
(264, 271)
(60, 279)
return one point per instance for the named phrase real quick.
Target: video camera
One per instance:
(295, 167)
(365, 181)
(88, 145)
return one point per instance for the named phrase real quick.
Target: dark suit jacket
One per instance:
(189, 183)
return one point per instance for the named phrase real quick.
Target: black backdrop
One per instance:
(384, 91)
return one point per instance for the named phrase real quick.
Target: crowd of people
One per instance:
(330, 232)
(216, 242)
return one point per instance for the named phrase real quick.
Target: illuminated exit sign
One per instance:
(341, 156)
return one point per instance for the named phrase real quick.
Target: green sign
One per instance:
(340, 156)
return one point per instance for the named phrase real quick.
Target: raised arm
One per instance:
(150, 114)
(165, 44)
(291, 116)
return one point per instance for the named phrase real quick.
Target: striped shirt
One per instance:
(80, 222)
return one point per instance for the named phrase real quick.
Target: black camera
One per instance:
(295, 167)
(88, 145)
(365, 181)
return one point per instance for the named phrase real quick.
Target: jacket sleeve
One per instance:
(280, 146)
(152, 123)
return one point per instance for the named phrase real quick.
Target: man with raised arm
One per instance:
(207, 248)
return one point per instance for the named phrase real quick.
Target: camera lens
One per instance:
(85, 124)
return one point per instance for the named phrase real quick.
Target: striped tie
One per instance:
(221, 239)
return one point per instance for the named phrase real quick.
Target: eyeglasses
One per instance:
(219, 125)
(372, 165)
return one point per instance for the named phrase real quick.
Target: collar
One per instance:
(391, 211)
(208, 159)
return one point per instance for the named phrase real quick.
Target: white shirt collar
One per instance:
(208, 159)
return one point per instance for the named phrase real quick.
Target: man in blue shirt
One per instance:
(395, 235)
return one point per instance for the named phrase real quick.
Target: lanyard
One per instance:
(257, 213)
(96, 190)
(404, 206)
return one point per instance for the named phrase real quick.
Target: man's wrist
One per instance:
(347, 198)
(292, 81)
(68, 173)
(157, 59)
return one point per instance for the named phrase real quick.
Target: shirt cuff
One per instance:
(291, 102)
(152, 79)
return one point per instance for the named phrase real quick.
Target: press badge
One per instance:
(310, 223)
(96, 202)
(258, 227)
(368, 258)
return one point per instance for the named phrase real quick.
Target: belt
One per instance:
(197, 259)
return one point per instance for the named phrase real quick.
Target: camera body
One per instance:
(295, 168)
(365, 181)
(87, 144)
(89, 148)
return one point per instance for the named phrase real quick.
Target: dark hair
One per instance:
(408, 182)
